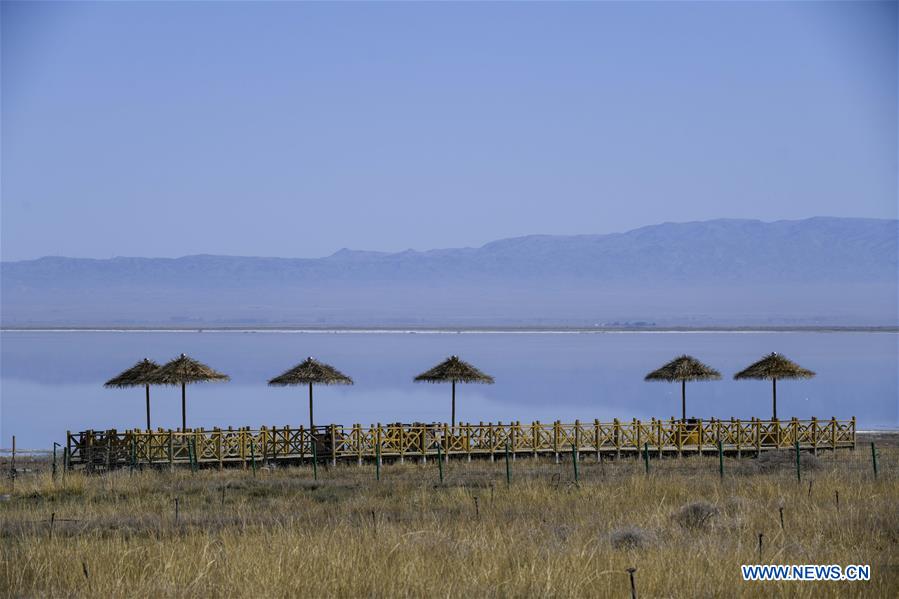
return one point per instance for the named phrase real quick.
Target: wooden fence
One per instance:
(400, 442)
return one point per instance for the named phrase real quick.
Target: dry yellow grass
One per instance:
(281, 534)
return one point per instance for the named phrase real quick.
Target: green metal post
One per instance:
(314, 458)
(440, 462)
(508, 467)
(253, 455)
(54, 459)
(798, 464)
(574, 462)
(720, 459)
(646, 456)
(874, 458)
(190, 456)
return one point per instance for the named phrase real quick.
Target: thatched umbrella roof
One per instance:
(136, 376)
(453, 370)
(311, 372)
(684, 368)
(184, 370)
(773, 367)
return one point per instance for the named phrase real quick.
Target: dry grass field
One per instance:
(279, 533)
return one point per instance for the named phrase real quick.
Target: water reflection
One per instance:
(51, 382)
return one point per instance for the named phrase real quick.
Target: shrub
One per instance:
(630, 537)
(696, 515)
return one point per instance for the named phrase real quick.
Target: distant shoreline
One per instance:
(448, 329)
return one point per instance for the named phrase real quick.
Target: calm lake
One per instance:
(52, 381)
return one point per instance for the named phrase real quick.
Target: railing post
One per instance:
(679, 430)
(833, 433)
(171, 449)
(596, 438)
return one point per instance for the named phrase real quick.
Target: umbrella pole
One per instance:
(774, 395)
(183, 410)
(311, 426)
(148, 406)
(683, 400)
(454, 404)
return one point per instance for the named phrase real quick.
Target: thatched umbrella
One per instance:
(774, 367)
(311, 372)
(182, 371)
(451, 370)
(683, 369)
(135, 377)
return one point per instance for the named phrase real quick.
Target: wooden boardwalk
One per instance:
(400, 442)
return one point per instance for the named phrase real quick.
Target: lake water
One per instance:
(52, 381)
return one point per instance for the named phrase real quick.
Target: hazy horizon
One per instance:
(424, 250)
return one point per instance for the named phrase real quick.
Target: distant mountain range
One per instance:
(814, 271)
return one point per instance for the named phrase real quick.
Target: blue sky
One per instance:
(166, 129)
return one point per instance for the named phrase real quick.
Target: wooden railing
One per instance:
(419, 441)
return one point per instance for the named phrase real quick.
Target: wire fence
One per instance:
(869, 460)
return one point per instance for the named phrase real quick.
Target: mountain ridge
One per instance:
(831, 269)
(543, 236)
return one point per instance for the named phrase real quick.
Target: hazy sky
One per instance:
(283, 129)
